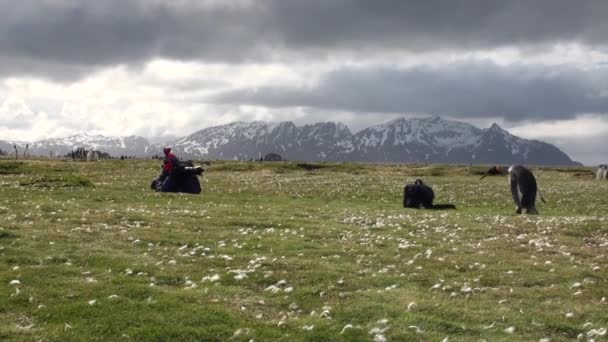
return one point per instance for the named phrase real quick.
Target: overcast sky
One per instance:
(163, 69)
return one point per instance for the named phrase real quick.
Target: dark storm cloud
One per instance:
(431, 24)
(66, 38)
(457, 90)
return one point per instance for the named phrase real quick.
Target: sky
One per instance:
(165, 69)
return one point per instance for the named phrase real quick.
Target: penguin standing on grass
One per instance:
(523, 188)
(599, 174)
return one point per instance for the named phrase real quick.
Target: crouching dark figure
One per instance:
(183, 179)
(420, 196)
(177, 176)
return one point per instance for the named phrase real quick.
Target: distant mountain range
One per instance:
(432, 140)
(120, 146)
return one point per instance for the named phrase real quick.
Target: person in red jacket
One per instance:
(167, 179)
(177, 176)
(170, 161)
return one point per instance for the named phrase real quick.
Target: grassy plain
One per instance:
(272, 252)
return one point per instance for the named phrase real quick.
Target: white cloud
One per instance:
(583, 126)
(584, 138)
(168, 97)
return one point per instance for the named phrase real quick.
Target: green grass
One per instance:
(52, 182)
(99, 256)
(8, 168)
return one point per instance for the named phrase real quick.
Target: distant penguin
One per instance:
(523, 189)
(599, 174)
(421, 196)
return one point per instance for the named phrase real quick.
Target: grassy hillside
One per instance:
(271, 251)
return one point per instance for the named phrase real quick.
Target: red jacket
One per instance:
(170, 161)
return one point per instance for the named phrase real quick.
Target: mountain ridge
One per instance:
(430, 139)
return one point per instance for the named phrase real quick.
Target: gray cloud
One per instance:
(68, 38)
(583, 149)
(65, 40)
(458, 90)
(457, 24)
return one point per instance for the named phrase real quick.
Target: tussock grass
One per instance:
(280, 251)
(64, 181)
(12, 168)
(4, 234)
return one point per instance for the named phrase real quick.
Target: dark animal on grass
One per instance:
(523, 189)
(420, 196)
(309, 167)
(494, 171)
(273, 157)
(78, 153)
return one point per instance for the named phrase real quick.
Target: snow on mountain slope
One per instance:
(117, 146)
(428, 131)
(253, 140)
(402, 140)
(429, 139)
(496, 141)
(212, 138)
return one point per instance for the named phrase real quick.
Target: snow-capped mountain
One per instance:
(496, 141)
(239, 140)
(415, 140)
(430, 139)
(6, 147)
(445, 141)
(403, 140)
(115, 146)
